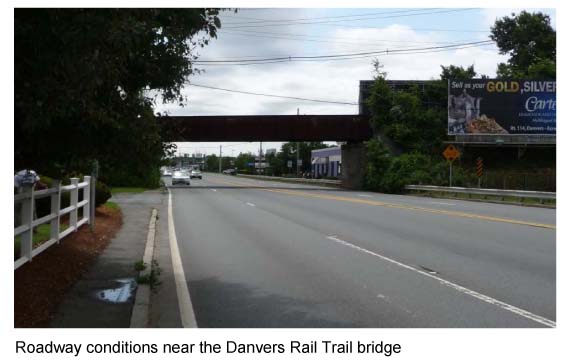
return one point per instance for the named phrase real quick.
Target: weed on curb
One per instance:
(151, 278)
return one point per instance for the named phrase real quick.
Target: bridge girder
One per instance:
(249, 128)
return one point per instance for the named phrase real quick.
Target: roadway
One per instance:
(270, 254)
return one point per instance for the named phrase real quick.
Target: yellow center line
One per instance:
(397, 206)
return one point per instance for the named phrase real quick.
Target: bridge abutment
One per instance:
(353, 164)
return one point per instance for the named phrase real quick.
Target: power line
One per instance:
(391, 54)
(346, 20)
(278, 96)
(385, 53)
(326, 36)
(368, 27)
(419, 29)
(308, 38)
(339, 56)
(259, 20)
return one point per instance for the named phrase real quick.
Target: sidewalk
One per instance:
(104, 296)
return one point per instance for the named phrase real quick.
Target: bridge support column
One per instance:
(353, 164)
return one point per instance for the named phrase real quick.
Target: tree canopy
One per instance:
(86, 81)
(458, 72)
(530, 40)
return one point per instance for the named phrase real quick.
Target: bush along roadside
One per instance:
(385, 173)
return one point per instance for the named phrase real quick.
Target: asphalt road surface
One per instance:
(269, 254)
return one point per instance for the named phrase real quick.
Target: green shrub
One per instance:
(102, 192)
(391, 174)
(378, 161)
(406, 169)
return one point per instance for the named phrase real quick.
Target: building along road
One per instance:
(270, 254)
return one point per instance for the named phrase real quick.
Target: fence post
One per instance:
(56, 209)
(87, 196)
(74, 200)
(92, 204)
(26, 243)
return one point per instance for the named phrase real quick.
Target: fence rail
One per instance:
(485, 191)
(27, 220)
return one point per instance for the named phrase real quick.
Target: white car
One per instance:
(195, 173)
(180, 177)
(167, 173)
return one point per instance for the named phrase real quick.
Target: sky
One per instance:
(254, 33)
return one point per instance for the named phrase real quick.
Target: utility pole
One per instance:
(220, 159)
(261, 158)
(297, 153)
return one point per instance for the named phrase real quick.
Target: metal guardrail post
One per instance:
(74, 199)
(26, 242)
(56, 210)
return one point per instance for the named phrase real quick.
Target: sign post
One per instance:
(479, 169)
(451, 153)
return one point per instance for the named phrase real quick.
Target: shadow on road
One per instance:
(232, 305)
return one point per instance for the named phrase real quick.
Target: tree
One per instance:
(413, 118)
(457, 72)
(243, 160)
(378, 161)
(86, 81)
(530, 41)
(212, 163)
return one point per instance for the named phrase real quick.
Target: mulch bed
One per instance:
(40, 286)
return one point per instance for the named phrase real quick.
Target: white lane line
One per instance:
(212, 189)
(361, 195)
(183, 298)
(518, 311)
(443, 203)
(250, 204)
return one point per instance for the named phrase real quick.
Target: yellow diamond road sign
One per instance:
(451, 153)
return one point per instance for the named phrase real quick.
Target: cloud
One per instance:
(326, 80)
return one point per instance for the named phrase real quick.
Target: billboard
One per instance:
(496, 107)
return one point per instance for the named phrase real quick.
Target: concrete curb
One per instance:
(141, 309)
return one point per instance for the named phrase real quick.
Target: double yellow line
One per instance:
(397, 206)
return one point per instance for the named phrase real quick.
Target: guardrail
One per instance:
(329, 182)
(27, 199)
(485, 191)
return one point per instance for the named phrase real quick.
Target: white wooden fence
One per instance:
(28, 222)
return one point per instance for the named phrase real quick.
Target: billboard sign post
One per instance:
(499, 107)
